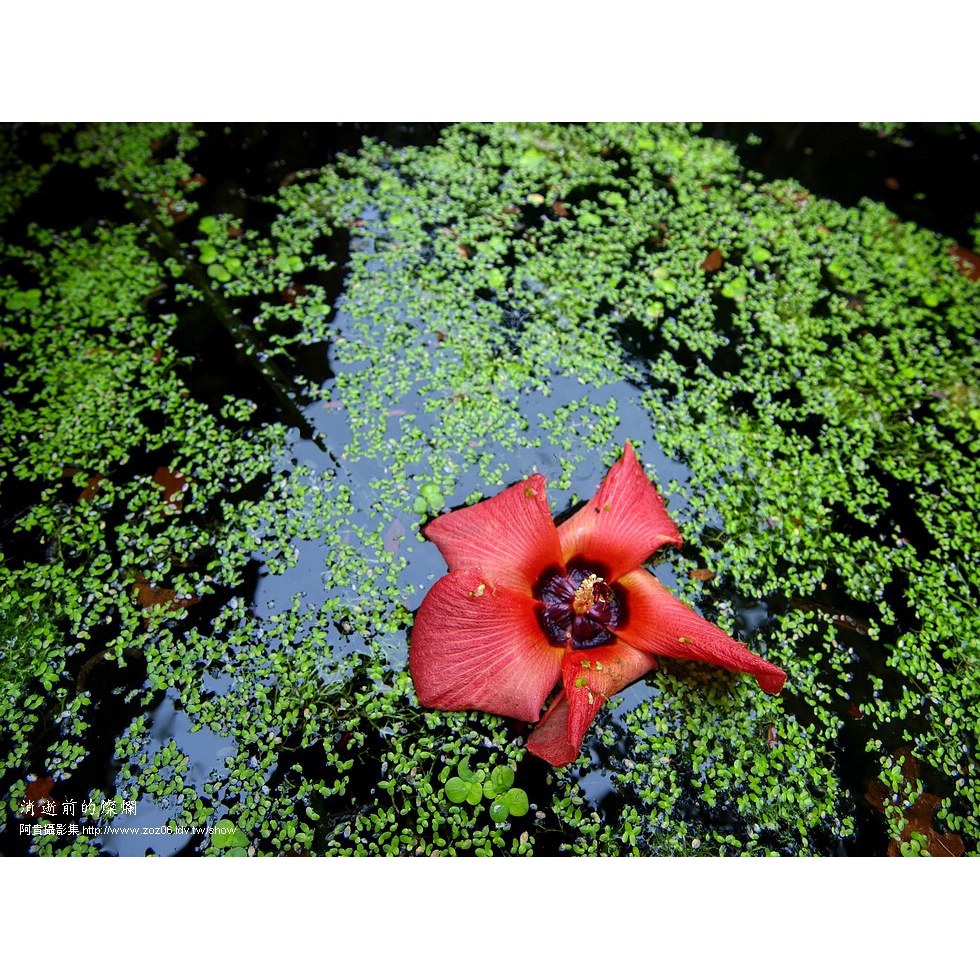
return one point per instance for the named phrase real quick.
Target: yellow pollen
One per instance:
(585, 597)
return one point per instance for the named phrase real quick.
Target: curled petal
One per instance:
(549, 740)
(511, 537)
(477, 644)
(624, 522)
(659, 623)
(589, 679)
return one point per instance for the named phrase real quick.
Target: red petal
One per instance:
(511, 537)
(590, 678)
(624, 522)
(549, 741)
(478, 645)
(661, 624)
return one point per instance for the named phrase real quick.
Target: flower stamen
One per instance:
(587, 594)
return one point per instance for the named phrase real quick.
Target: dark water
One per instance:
(927, 173)
(919, 179)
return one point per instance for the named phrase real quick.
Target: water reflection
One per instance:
(131, 833)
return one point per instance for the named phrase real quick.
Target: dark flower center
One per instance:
(579, 607)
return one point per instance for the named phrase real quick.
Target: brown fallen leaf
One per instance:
(172, 483)
(968, 262)
(919, 815)
(91, 487)
(91, 482)
(837, 616)
(560, 208)
(147, 596)
(37, 794)
(293, 292)
(177, 209)
(702, 574)
(393, 537)
(713, 261)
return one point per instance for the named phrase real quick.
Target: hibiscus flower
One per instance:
(526, 604)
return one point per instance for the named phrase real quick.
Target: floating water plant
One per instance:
(507, 300)
(506, 800)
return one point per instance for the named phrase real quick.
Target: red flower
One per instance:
(526, 603)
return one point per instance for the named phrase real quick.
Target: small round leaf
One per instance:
(516, 801)
(225, 834)
(456, 790)
(502, 778)
(499, 811)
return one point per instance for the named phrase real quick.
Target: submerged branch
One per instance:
(245, 338)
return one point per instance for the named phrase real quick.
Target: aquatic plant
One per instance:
(451, 318)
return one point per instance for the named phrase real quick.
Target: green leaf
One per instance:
(502, 778)
(517, 802)
(456, 789)
(499, 811)
(225, 834)
(432, 497)
(532, 157)
(219, 272)
(474, 793)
